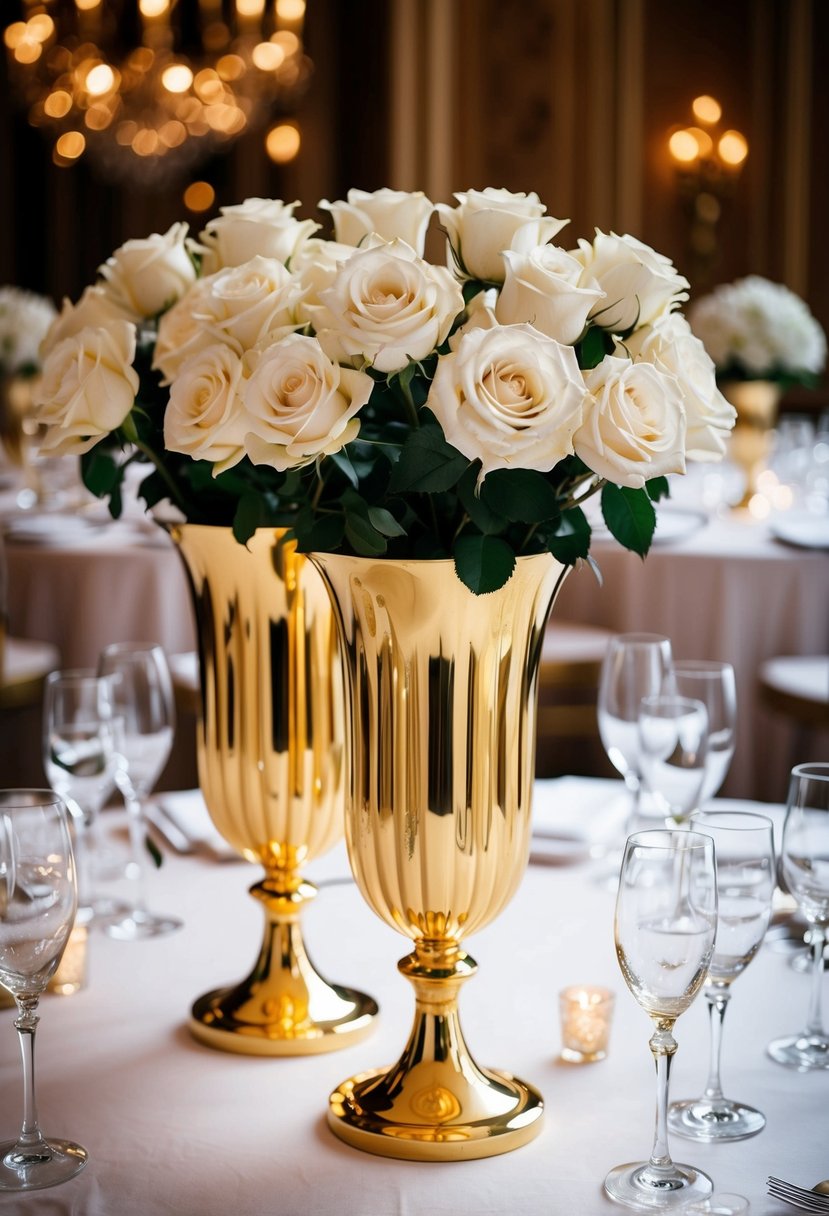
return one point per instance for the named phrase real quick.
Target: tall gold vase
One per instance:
(756, 403)
(441, 745)
(271, 768)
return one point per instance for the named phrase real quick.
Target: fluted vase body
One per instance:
(270, 742)
(441, 698)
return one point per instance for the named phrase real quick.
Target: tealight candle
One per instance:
(585, 1023)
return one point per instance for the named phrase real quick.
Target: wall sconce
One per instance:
(707, 160)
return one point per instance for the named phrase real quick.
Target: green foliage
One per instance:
(483, 563)
(630, 517)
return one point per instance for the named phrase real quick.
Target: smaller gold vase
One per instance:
(756, 403)
(271, 767)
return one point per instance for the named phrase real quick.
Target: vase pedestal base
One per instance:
(426, 1125)
(435, 1103)
(284, 1007)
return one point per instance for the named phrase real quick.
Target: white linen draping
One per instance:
(176, 1129)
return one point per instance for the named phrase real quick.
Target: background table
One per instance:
(176, 1129)
(729, 592)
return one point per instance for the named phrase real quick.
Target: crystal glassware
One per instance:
(142, 692)
(635, 665)
(714, 684)
(666, 920)
(38, 901)
(673, 744)
(804, 862)
(79, 761)
(745, 865)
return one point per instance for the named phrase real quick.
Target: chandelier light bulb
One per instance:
(683, 146)
(733, 147)
(177, 78)
(282, 143)
(100, 80)
(707, 109)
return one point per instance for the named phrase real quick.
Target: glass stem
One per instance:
(30, 1139)
(814, 1026)
(634, 786)
(717, 997)
(135, 818)
(663, 1045)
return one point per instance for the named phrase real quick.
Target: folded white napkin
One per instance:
(572, 815)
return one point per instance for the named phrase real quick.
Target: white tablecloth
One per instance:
(176, 1129)
(729, 591)
(123, 583)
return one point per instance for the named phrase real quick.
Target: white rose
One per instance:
(671, 346)
(88, 388)
(386, 306)
(488, 222)
(640, 284)
(251, 303)
(94, 310)
(315, 268)
(510, 397)
(205, 417)
(183, 331)
(150, 274)
(634, 423)
(262, 226)
(390, 213)
(543, 287)
(300, 405)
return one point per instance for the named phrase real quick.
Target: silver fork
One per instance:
(798, 1196)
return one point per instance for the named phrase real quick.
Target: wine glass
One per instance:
(804, 859)
(715, 685)
(745, 865)
(79, 761)
(38, 901)
(635, 665)
(673, 741)
(142, 691)
(666, 920)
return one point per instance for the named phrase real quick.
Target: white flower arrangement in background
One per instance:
(24, 319)
(754, 329)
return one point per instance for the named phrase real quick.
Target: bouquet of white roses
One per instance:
(24, 320)
(378, 404)
(754, 329)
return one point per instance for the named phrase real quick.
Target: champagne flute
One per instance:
(745, 865)
(38, 901)
(715, 685)
(804, 858)
(80, 762)
(666, 920)
(142, 691)
(636, 665)
(673, 742)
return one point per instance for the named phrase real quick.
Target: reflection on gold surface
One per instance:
(756, 403)
(441, 731)
(270, 753)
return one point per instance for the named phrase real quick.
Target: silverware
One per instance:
(815, 1200)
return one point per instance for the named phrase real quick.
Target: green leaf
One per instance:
(593, 347)
(100, 471)
(572, 537)
(248, 517)
(658, 488)
(154, 851)
(630, 516)
(324, 535)
(483, 563)
(522, 495)
(480, 512)
(341, 460)
(363, 537)
(427, 464)
(385, 522)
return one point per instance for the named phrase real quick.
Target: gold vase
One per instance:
(271, 768)
(756, 403)
(441, 745)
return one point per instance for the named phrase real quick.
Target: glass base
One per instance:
(22, 1170)
(137, 925)
(640, 1185)
(803, 1051)
(699, 1119)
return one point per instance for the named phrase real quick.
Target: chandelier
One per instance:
(147, 89)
